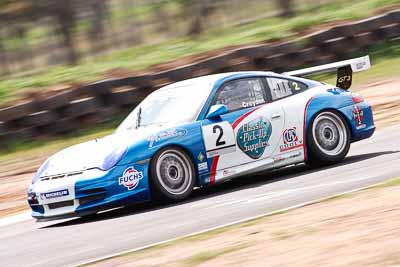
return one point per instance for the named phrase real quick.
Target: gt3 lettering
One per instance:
(345, 78)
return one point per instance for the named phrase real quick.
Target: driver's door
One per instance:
(251, 129)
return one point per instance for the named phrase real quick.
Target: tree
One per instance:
(286, 7)
(100, 11)
(63, 13)
(65, 16)
(198, 11)
(99, 14)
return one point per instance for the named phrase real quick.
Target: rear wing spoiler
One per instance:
(344, 70)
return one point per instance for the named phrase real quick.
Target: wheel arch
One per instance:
(181, 147)
(311, 118)
(337, 111)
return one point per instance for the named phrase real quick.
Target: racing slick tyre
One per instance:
(172, 175)
(328, 139)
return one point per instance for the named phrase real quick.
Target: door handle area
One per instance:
(276, 116)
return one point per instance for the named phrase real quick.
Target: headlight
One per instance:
(40, 171)
(112, 159)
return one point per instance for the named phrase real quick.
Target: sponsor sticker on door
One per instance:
(253, 136)
(219, 139)
(290, 140)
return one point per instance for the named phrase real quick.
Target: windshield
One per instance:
(172, 104)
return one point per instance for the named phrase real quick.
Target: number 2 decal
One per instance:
(219, 138)
(296, 86)
(221, 133)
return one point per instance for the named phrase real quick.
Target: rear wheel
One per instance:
(328, 139)
(172, 175)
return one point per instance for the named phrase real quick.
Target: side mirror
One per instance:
(216, 111)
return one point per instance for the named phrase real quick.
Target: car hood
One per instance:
(91, 154)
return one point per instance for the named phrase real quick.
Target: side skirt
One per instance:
(278, 161)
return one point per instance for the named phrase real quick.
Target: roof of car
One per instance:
(214, 78)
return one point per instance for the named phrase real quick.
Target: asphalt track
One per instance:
(69, 242)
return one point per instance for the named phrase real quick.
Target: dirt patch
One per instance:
(16, 174)
(13, 194)
(384, 96)
(356, 230)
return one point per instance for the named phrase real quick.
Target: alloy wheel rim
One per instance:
(329, 133)
(174, 172)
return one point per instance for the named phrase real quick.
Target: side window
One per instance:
(281, 88)
(243, 93)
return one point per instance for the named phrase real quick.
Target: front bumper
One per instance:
(87, 192)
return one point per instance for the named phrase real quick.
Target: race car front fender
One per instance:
(123, 185)
(94, 190)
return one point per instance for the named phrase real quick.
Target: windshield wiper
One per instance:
(139, 118)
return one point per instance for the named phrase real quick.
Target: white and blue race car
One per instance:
(203, 131)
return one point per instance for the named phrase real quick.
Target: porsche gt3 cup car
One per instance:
(204, 131)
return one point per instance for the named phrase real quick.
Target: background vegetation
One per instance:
(47, 42)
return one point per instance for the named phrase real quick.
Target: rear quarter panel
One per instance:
(341, 101)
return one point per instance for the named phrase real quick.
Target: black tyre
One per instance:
(172, 175)
(328, 139)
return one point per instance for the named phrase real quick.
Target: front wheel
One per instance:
(172, 175)
(328, 139)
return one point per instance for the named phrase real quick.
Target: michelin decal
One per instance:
(55, 194)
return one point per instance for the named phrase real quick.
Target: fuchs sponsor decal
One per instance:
(290, 140)
(253, 136)
(55, 194)
(130, 178)
(167, 134)
(358, 115)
